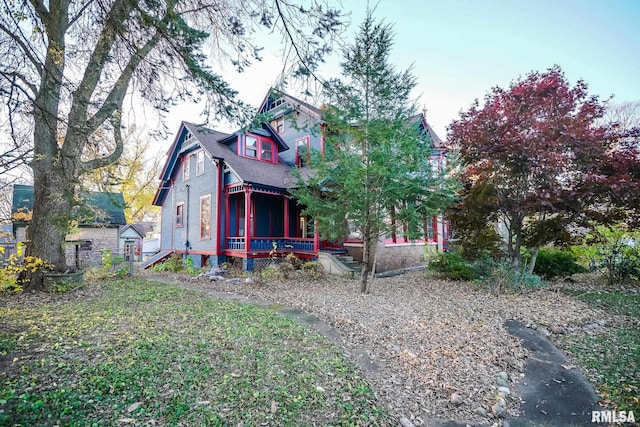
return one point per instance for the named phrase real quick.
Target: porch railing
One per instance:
(267, 244)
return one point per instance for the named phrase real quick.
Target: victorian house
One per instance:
(226, 197)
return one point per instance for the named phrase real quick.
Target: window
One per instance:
(259, 148)
(186, 166)
(205, 217)
(278, 125)
(302, 152)
(200, 163)
(429, 227)
(180, 214)
(250, 146)
(266, 150)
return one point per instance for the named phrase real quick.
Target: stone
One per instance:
(502, 382)
(558, 330)
(480, 411)
(504, 390)
(498, 410)
(234, 280)
(543, 331)
(601, 322)
(404, 422)
(456, 399)
(216, 278)
(503, 375)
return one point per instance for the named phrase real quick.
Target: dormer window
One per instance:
(250, 146)
(266, 151)
(259, 148)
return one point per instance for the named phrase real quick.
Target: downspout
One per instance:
(186, 225)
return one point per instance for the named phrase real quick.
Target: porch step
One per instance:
(343, 265)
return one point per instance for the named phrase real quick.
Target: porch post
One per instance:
(227, 218)
(316, 237)
(286, 217)
(247, 219)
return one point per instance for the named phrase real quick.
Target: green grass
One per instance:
(144, 353)
(627, 304)
(612, 359)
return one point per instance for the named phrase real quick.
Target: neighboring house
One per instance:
(100, 228)
(7, 242)
(131, 241)
(225, 197)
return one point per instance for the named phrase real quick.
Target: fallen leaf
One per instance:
(133, 407)
(274, 406)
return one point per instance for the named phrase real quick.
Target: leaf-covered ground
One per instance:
(431, 338)
(133, 352)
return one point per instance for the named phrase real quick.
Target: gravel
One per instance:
(428, 339)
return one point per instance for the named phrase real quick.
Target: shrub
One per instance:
(553, 262)
(503, 277)
(614, 248)
(451, 265)
(271, 273)
(173, 264)
(312, 270)
(289, 265)
(14, 275)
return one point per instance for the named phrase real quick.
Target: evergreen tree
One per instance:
(376, 169)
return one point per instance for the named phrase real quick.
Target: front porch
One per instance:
(263, 222)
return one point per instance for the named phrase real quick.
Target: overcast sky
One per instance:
(459, 49)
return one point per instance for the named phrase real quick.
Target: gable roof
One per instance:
(216, 143)
(288, 104)
(437, 142)
(109, 205)
(131, 230)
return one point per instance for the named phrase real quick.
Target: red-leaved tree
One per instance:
(535, 145)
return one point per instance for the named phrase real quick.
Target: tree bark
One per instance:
(366, 269)
(532, 261)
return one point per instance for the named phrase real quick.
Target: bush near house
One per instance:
(553, 262)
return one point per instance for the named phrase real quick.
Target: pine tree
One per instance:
(376, 167)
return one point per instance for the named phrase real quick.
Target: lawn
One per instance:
(143, 353)
(612, 360)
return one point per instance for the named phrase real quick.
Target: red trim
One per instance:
(286, 216)
(210, 214)
(247, 218)
(227, 218)
(242, 151)
(435, 228)
(192, 252)
(218, 248)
